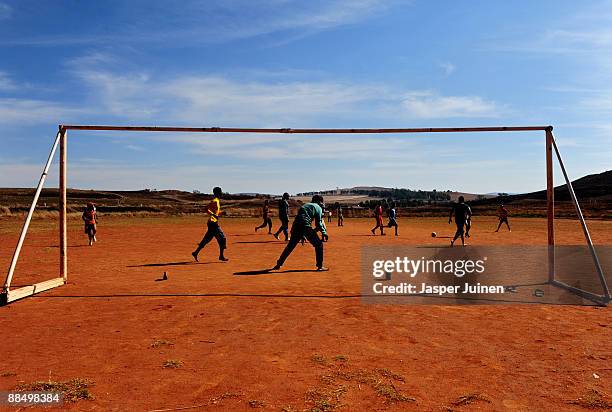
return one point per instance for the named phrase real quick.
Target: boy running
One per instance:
(393, 217)
(213, 228)
(283, 215)
(378, 215)
(267, 220)
(90, 218)
(502, 213)
(301, 228)
(462, 213)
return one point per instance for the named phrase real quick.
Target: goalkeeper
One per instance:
(302, 228)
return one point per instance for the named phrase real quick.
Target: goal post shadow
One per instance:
(7, 295)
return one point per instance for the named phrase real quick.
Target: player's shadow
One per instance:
(183, 263)
(70, 246)
(271, 272)
(259, 241)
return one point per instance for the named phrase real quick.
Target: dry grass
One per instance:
(7, 374)
(172, 364)
(593, 399)
(72, 390)
(226, 395)
(470, 399)
(161, 342)
(254, 403)
(341, 378)
(325, 399)
(318, 358)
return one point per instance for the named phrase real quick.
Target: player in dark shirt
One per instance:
(267, 220)
(502, 214)
(462, 214)
(283, 215)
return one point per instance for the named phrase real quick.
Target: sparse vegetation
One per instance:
(72, 390)
(172, 364)
(254, 403)
(7, 374)
(341, 378)
(470, 398)
(593, 399)
(318, 358)
(161, 342)
(226, 395)
(325, 399)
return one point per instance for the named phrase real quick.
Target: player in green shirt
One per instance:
(302, 228)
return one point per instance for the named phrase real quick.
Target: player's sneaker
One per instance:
(195, 256)
(276, 236)
(223, 259)
(322, 269)
(276, 267)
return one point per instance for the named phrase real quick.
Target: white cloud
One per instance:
(197, 22)
(426, 105)
(13, 110)
(5, 11)
(221, 101)
(6, 83)
(448, 68)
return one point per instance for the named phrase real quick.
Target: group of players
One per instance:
(302, 228)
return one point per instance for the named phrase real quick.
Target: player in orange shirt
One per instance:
(213, 228)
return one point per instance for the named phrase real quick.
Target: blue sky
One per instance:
(284, 63)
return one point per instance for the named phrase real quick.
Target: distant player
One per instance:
(90, 218)
(462, 213)
(213, 229)
(302, 228)
(378, 215)
(393, 217)
(283, 215)
(267, 220)
(468, 221)
(502, 214)
(340, 216)
(329, 216)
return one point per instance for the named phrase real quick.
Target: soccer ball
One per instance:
(434, 234)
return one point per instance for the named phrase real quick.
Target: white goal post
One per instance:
(9, 295)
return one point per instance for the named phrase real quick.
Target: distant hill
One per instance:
(593, 191)
(597, 185)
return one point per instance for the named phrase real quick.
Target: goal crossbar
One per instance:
(7, 295)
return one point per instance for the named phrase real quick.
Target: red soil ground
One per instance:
(243, 349)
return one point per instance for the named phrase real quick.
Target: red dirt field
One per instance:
(312, 346)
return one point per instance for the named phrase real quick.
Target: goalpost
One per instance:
(61, 139)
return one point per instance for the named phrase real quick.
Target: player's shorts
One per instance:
(90, 227)
(379, 221)
(460, 226)
(503, 220)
